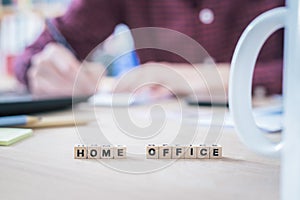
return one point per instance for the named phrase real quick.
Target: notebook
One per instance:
(9, 136)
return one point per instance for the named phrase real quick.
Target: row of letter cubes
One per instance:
(99, 152)
(181, 151)
(152, 151)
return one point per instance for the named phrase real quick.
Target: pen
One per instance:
(59, 38)
(209, 104)
(17, 120)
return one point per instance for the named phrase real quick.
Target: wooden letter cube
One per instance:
(94, 152)
(151, 151)
(107, 152)
(203, 151)
(165, 152)
(215, 151)
(120, 151)
(178, 151)
(80, 152)
(190, 152)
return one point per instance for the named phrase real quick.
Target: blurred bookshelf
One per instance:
(21, 22)
(44, 8)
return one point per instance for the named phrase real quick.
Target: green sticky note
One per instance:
(9, 136)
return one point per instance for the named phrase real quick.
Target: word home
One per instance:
(99, 152)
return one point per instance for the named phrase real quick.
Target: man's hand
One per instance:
(54, 72)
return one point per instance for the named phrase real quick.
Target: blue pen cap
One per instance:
(124, 63)
(126, 57)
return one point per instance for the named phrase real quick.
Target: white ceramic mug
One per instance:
(242, 68)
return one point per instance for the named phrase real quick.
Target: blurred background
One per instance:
(21, 22)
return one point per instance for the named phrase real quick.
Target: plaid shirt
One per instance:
(216, 25)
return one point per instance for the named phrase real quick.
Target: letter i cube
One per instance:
(190, 152)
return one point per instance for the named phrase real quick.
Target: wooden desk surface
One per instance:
(42, 167)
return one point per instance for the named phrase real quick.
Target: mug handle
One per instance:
(240, 82)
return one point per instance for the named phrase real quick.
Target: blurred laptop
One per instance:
(17, 103)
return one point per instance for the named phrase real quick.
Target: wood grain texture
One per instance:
(43, 166)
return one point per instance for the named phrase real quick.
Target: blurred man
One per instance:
(50, 64)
